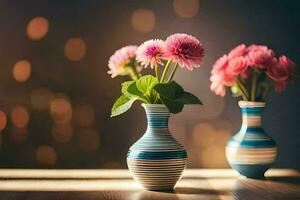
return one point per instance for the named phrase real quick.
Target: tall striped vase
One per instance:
(251, 151)
(157, 160)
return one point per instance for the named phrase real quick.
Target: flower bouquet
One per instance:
(251, 72)
(161, 95)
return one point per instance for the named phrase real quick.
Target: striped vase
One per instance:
(251, 151)
(157, 160)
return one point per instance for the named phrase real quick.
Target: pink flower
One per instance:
(150, 53)
(221, 68)
(282, 70)
(217, 85)
(120, 59)
(237, 65)
(238, 51)
(260, 56)
(184, 49)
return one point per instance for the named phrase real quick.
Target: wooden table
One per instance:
(118, 184)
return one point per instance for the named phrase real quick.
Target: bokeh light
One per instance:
(46, 155)
(203, 134)
(22, 71)
(84, 115)
(19, 116)
(3, 120)
(62, 132)
(75, 49)
(186, 8)
(143, 20)
(61, 110)
(208, 140)
(19, 135)
(40, 98)
(89, 140)
(37, 28)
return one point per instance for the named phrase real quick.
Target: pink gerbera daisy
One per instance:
(120, 59)
(184, 49)
(150, 53)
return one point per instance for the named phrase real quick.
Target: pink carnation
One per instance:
(238, 51)
(184, 49)
(150, 53)
(282, 70)
(118, 61)
(260, 56)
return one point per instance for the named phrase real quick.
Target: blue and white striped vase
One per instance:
(251, 151)
(157, 160)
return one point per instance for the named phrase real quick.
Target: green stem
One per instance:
(156, 71)
(172, 73)
(243, 90)
(132, 74)
(253, 86)
(166, 70)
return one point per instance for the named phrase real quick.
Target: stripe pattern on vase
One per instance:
(157, 160)
(251, 151)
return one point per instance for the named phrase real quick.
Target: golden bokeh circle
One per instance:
(143, 20)
(46, 155)
(37, 28)
(22, 71)
(186, 8)
(3, 120)
(61, 110)
(75, 49)
(19, 116)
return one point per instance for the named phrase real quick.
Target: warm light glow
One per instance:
(62, 132)
(19, 135)
(46, 155)
(22, 71)
(75, 49)
(143, 20)
(40, 98)
(84, 115)
(203, 134)
(186, 8)
(19, 116)
(61, 110)
(209, 140)
(88, 140)
(3, 120)
(37, 28)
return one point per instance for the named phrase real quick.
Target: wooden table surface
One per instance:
(118, 184)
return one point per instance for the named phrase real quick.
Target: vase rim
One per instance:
(252, 104)
(154, 105)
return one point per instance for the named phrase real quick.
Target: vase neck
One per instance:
(252, 113)
(157, 116)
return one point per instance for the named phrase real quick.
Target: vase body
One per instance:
(251, 151)
(157, 160)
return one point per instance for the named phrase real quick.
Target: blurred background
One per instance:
(56, 96)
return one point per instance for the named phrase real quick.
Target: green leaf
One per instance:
(174, 97)
(122, 104)
(169, 90)
(188, 98)
(146, 83)
(173, 106)
(134, 91)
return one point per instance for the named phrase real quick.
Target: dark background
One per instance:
(80, 93)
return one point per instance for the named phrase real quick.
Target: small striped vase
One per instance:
(157, 160)
(251, 151)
